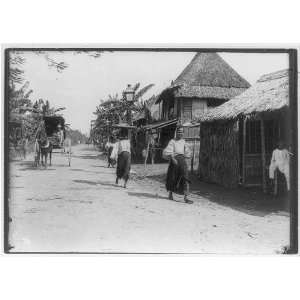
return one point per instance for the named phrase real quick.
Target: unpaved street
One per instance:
(79, 208)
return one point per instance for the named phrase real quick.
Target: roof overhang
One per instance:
(161, 124)
(169, 91)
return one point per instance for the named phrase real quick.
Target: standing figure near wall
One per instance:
(280, 161)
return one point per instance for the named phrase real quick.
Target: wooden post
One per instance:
(193, 157)
(147, 153)
(263, 154)
(244, 151)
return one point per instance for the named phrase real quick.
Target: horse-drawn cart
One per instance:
(51, 136)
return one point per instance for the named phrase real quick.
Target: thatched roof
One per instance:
(208, 76)
(269, 93)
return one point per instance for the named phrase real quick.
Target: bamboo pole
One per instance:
(147, 153)
(244, 151)
(263, 154)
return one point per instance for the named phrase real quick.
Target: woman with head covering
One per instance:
(177, 152)
(122, 152)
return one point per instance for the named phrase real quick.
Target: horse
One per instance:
(43, 147)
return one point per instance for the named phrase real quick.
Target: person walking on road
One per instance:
(109, 148)
(122, 153)
(177, 152)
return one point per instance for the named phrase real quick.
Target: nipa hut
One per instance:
(206, 82)
(238, 137)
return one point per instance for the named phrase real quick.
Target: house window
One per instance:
(187, 109)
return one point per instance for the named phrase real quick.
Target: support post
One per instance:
(193, 157)
(244, 151)
(263, 155)
(147, 153)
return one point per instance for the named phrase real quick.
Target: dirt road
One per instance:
(79, 208)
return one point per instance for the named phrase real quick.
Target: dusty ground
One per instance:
(79, 208)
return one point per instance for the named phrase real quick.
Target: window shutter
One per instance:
(187, 109)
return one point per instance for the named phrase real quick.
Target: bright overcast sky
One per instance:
(87, 80)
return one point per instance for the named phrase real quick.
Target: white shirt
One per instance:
(119, 147)
(123, 145)
(109, 144)
(176, 147)
(280, 159)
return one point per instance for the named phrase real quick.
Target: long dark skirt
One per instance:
(123, 165)
(110, 160)
(177, 176)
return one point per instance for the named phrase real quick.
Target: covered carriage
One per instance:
(54, 128)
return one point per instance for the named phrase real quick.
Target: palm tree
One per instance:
(43, 109)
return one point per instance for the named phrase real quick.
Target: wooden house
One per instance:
(206, 82)
(238, 137)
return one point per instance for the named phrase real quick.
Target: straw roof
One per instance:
(269, 93)
(208, 76)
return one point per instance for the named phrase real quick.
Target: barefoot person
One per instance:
(280, 161)
(177, 152)
(123, 153)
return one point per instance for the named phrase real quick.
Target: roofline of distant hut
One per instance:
(270, 94)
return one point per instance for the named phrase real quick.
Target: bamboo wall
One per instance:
(219, 153)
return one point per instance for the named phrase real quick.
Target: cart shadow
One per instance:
(29, 166)
(32, 168)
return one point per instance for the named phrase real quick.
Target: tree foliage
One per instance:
(115, 110)
(20, 104)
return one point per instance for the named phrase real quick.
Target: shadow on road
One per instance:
(88, 156)
(95, 166)
(251, 201)
(40, 168)
(153, 196)
(95, 182)
(147, 195)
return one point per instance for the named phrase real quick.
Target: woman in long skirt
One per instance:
(178, 152)
(123, 153)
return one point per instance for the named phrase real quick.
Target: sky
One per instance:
(87, 80)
